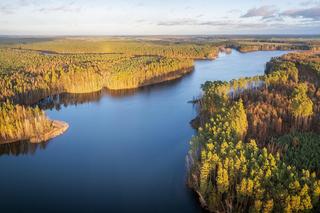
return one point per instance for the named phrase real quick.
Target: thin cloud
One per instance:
(24, 3)
(264, 11)
(274, 18)
(233, 24)
(7, 10)
(234, 11)
(194, 22)
(142, 21)
(62, 8)
(140, 4)
(311, 13)
(178, 22)
(310, 3)
(214, 23)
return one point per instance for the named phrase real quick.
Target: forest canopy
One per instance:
(30, 71)
(257, 145)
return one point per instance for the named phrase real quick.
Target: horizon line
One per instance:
(159, 35)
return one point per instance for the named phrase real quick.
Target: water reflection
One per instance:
(56, 102)
(67, 99)
(21, 148)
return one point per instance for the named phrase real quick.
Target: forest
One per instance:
(251, 45)
(257, 144)
(28, 75)
(31, 71)
(127, 47)
(256, 148)
(26, 123)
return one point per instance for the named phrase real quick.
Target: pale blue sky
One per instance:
(122, 17)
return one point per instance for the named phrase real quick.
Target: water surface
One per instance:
(123, 152)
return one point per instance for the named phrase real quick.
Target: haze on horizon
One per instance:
(152, 17)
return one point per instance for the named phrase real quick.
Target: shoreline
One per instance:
(170, 76)
(58, 128)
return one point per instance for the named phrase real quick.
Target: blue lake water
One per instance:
(122, 153)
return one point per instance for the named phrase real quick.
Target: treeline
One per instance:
(28, 75)
(307, 62)
(21, 123)
(253, 151)
(126, 47)
(267, 45)
(140, 71)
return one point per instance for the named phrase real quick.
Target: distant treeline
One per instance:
(266, 45)
(126, 47)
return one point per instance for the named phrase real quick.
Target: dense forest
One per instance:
(266, 45)
(28, 75)
(26, 123)
(255, 135)
(126, 47)
(34, 70)
(257, 145)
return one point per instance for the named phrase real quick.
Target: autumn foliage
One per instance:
(32, 71)
(254, 151)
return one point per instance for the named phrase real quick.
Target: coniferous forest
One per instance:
(32, 71)
(257, 145)
(179, 106)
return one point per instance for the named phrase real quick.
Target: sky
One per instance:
(158, 17)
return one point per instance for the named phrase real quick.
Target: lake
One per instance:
(123, 152)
